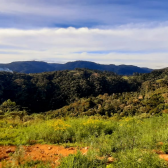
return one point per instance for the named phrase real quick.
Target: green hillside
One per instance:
(52, 90)
(121, 121)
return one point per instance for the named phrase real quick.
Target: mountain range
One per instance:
(39, 66)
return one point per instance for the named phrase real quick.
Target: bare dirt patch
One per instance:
(164, 156)
(40, 152)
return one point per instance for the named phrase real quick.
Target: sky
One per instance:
(131, 32)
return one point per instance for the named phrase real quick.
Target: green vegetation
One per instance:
(53, 90)
(125, 118)
(28, 164)
(82, 161)
(131, 141)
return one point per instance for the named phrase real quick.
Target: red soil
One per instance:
(40, 152)
(50, 153)
(164, 156)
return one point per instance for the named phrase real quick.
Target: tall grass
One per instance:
(130, 141)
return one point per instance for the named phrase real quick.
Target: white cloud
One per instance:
(145, 47)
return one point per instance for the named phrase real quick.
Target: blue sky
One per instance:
(103, 31)
(75, 13)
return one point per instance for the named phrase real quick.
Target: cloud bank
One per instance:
(138, 46)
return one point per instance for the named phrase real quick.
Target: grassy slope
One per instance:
(130, 140)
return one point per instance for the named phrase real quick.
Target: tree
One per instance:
(8, 105)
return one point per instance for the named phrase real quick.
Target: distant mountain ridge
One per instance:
(38, 67)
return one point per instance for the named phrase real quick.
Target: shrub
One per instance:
(138, 159)
(81, 161)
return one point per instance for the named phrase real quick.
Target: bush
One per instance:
(138, 159)
(81, 161)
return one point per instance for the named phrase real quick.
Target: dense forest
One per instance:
(84, 91)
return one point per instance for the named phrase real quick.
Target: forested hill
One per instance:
(150, 98)
(38, 67)
(53, 90)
